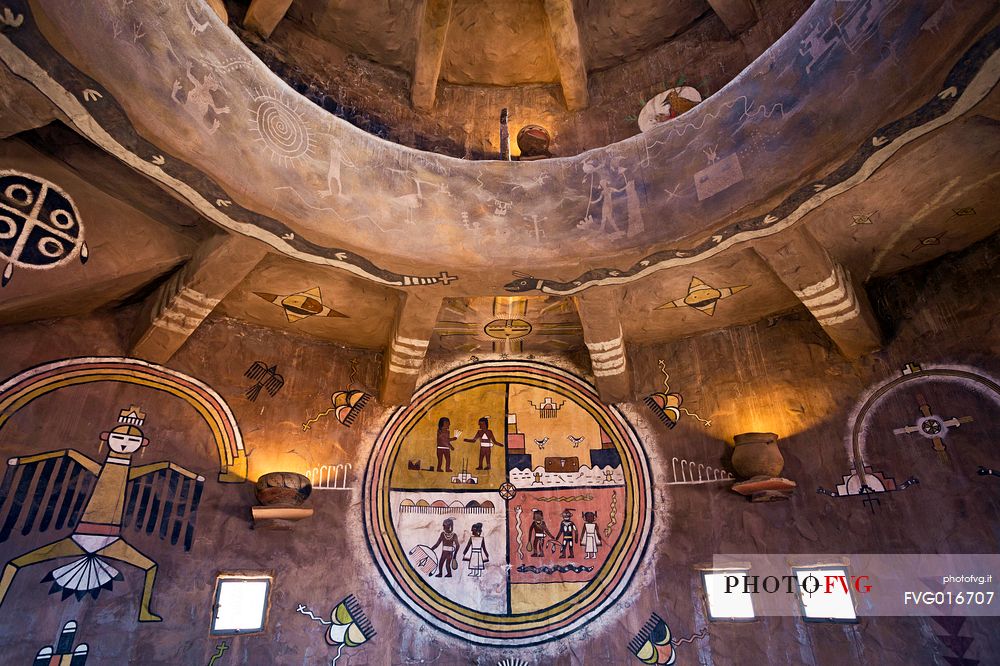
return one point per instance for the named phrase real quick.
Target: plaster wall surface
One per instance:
(781, 375)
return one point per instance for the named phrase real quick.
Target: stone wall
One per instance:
(465, 120)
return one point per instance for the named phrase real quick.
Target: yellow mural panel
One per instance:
(530, 597)
(417, 463)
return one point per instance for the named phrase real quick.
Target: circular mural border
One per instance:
(516, 629)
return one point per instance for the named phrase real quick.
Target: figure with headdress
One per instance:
(537, 532)
(567, 533)
(97, 537)
(448, 541)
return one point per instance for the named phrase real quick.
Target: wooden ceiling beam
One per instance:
(825, 288)
(569, 54)
(404, 358)
(431, 36)
(263, 16)
(602, 333)
(175, 310)
(736, 15)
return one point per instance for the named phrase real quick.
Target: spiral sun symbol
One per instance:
(281, 127)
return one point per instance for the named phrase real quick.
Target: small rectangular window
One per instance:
(832, 600)
(732, 605)
(240, 604)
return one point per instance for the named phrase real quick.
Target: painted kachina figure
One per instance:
(486, 441)
(448, 541)
(475, 552)
(97, 537)
(590, 538)
(444, 446)
(567, 534)
(537, 533)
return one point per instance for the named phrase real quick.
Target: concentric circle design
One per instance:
(585, 465)
(281, 128)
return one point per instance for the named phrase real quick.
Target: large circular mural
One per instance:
(506, 504)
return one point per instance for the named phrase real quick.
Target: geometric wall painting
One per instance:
(40, 227)
(703, 297)
(301, 305)
(655, 645)
(96, 500)
(348, 625)
(347, 405)
(667, 406)
(932, 426)
(864, 482)
(26, 386)
(63, 653)
(533, 544)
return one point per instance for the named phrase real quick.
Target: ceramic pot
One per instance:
(282, 489)
(757, 454)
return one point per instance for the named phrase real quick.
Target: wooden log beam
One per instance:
(404, 358)
(825, 288)
(263, 16)
(569, 55)
(175, 310)
(736, 15)
(431, 36)
(602, 333)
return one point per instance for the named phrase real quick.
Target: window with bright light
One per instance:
(832, 601)
(240, 604)
(734, 604)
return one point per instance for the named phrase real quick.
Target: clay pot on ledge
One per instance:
(757, 454)
(281, 495)
(757, 460)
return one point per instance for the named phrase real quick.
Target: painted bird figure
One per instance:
(575, 441)
(266, 378)
(542, 442)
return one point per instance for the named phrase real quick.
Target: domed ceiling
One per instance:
(787, 189)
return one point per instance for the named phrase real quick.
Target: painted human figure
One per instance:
(607, 205)
(444, 447)
(486, 442)
(448, 541)
(567, 533)
(475, 552)
(590, 538)
(98, 534)
(537, 532)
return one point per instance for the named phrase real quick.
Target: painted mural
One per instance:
(121, 495)
(40, 226)
(930, 425)
(506, 504)
(32, 383)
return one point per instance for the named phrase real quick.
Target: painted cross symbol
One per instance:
(445, 278)
(869, 497)
(219, 650)
(932, 426)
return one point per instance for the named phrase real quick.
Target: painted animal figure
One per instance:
(575, 441)
(199, 99)
(542, 442)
